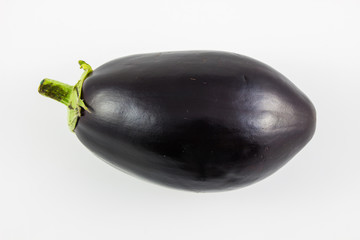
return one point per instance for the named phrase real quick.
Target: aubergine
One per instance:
(191, 120)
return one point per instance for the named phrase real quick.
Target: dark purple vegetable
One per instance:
(195, 120)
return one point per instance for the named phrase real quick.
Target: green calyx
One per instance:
(68, 95)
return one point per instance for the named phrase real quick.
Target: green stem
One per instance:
(56, 90)
(68, 95)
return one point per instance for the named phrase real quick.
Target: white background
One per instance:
(52, 187)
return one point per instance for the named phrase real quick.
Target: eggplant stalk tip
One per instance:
(68, 95)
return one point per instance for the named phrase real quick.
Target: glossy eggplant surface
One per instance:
(194, 120)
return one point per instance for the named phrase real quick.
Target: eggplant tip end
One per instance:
(40, 86)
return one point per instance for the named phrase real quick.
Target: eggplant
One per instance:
(192, 120)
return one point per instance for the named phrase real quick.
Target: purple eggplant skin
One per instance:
(194, 120)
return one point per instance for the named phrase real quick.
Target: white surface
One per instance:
(71, 194)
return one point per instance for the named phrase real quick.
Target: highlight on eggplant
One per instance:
(192, 120)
